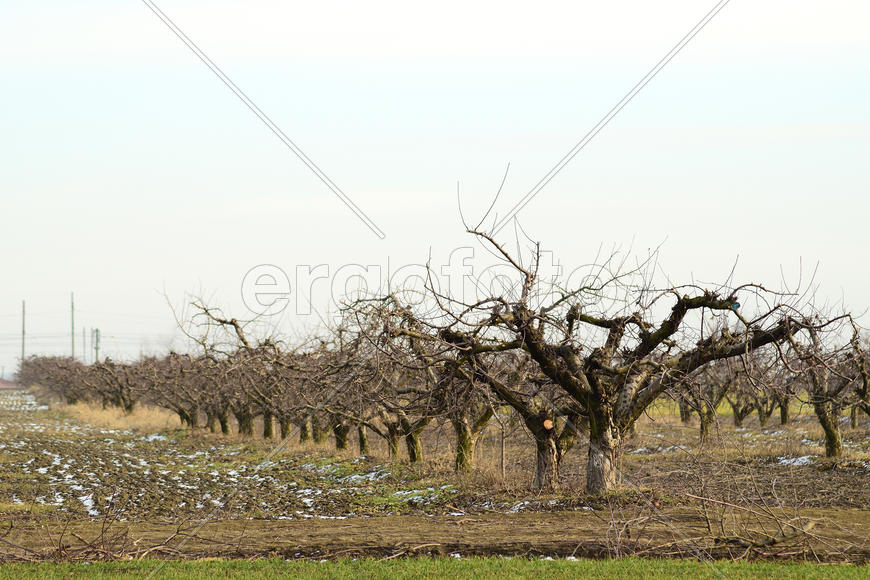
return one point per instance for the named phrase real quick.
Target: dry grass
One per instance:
(143, 418)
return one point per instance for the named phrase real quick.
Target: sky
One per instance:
(131, 176)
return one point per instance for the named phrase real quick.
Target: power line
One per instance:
(610, 115)
(265, 119)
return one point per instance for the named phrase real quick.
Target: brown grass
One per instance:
(146, 419)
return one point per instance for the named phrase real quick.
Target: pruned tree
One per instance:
(708, 387)
(826, 371)
(609, 346)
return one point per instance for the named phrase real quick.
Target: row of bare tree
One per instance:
(577, 366)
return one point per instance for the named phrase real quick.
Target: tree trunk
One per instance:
(268, 426)
(548, 455)
(413, 441)
(602, 472)
(393, 438)
(341, 431)
(708, 417)
(833, 444)
(319, 433)
(363, 440)
(246, 422)
(211, 422)
(783, 413)
(468, 431)
(764, 415)
(224, 420)
(466, 440)
(286, 426)
(414, 444)
(193, 417)
(305, 430)
(547, 464)
(853, 417)
(739, 412)
(685, 410)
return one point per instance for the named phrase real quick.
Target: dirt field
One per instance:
(72, 489)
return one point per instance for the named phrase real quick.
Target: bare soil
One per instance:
(74, 490)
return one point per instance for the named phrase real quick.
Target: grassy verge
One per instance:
(435, 568)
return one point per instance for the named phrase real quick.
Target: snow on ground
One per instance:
(802, 460)
(72, 467)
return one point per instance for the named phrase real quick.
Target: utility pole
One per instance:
(95, 339)
(84, 348)
(72, 317)
(22, 331)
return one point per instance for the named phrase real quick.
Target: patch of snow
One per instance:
(88, 502)
(519, 507)
(803, 460)
(364, 477)
(153, 437)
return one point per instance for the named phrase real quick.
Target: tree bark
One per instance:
(363, 440)
(224, 420)
(341, 431)
(319, 433)
(547, 465)
(268, 426)
(739, 411)
(211, 422)
(193, 417)
(763, 415)
(466, 440)
(602, 472)
(393, 439)
(783, 413)
(467, 435)
(685, 410)
(708, 417)
(833, 444)
(286, 426)
(305, 430)
(548, 455)
(414, 444)
(246, 422)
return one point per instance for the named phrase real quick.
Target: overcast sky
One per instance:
(129, 170)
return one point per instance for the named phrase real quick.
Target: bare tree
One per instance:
(613, 373)
(827, 371)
